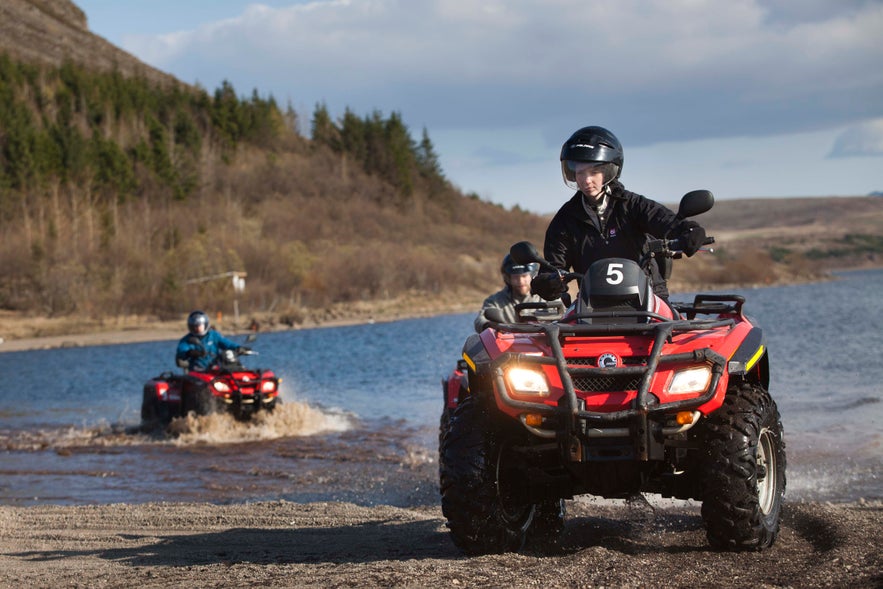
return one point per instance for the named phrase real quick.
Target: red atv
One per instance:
(227, 386)
(625, 394)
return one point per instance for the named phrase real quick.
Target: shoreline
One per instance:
(17, 330)
(138, 330)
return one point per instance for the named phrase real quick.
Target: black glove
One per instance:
(692, 238)
(196, 352)
(548, 285)
(243, 350)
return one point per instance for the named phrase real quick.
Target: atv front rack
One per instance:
(644, 405)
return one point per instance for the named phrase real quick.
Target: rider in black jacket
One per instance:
(603, 219)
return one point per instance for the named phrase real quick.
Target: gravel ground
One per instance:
(284, 544)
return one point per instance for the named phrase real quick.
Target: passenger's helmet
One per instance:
(197, 323)
(591, 145)
(510, 268)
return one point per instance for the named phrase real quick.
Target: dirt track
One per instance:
(284, 544)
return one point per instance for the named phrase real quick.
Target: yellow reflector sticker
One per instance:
(754, 359)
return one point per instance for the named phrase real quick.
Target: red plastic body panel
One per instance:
(722, 340)
(168, 389)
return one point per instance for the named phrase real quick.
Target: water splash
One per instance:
(287, 420)
(291, 419)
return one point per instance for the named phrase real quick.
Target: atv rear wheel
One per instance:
(154, 413)
(743, 471)
(480, 486)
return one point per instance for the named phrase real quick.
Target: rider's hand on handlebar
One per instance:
(548, 285)
(692, 239)
(196, 352)
(243, 350)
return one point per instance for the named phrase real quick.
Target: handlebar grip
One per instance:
(708, 241)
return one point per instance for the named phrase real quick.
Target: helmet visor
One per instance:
(532, 269)
(571, 168)
(198, 325)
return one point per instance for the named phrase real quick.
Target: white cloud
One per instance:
(865, 139)
(654, 70)
(500, 83)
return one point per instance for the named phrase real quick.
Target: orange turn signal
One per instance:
(533, 419)
(684, 417)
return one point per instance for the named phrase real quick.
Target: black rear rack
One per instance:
(711, 304)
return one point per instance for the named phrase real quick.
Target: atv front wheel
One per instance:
(480, 484)
(206, 403)
(744, 471)
(200, 401)
(548, 524)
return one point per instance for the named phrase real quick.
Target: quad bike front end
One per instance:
(243, 393)
(641, 384)
(614, 399)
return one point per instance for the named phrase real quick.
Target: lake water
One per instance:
(361, 406)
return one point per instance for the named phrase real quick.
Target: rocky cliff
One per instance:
(52, 31)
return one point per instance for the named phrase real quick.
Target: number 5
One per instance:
(614, 274)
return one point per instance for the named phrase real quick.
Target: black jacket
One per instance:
(575, 238)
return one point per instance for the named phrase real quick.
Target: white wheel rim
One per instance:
(766, 471)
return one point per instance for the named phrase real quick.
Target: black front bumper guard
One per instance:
(645, 405)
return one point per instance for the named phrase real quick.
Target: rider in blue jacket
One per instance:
(201, 347)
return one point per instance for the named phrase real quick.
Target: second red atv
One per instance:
(625, 394)
(227, 386)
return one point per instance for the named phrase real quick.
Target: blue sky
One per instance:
(748, 98)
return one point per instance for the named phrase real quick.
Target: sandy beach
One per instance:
(283, 544)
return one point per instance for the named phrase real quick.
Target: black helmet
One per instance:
(510, 268)
(587, 145)
(197, 323)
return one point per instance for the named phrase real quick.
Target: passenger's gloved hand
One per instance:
(243, 350)
(692, 238)
(196, 352)
(548, 285)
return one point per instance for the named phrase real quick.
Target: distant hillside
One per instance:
(124, 192)
(767, 240)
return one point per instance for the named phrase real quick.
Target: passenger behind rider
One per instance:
(201, 347)
(603, 219)
(517, 278)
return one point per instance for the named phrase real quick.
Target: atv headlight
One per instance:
(268, 386)
(527, 381)
(221, 386)
(690, 381)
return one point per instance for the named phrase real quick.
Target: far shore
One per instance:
(21, 332)
(67, 333)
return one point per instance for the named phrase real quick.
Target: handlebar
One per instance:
(669, 248)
